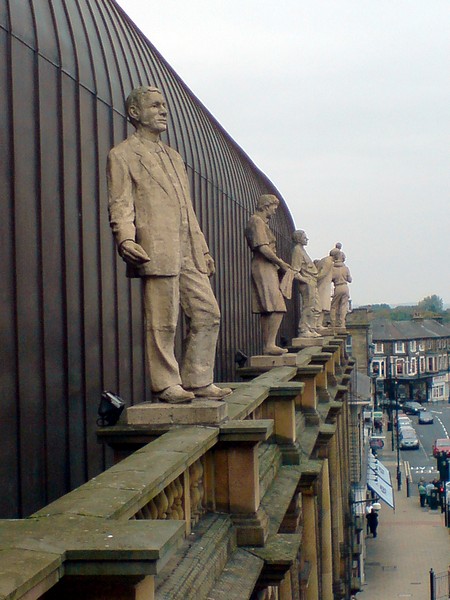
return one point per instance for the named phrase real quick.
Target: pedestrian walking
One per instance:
(372, 520)
(369, 508)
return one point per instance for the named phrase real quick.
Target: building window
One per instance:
(438, 392)
(413, 366)
(413, 346)
(379, 348)
(422, 345)
(379, 368)
(348, 345)
(399, 347)
(432, 363)
(429, 344)
(400, 367)
(422, 364)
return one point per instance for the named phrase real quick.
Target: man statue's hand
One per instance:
(133, 253)
(210, 265)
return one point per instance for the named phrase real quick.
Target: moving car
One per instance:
(412, 408)
(408, 440)
(441, 445)
(425, 417)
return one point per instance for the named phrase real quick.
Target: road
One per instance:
(422, 462)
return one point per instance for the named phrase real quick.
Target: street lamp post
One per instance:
(399, 473)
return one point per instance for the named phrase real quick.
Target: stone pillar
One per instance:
(309, 398)
(326, 546)
(280, 406)
(309, 545)
(336, 510)
(237, 478)
(285, 588)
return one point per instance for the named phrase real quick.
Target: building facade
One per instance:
(415, 354)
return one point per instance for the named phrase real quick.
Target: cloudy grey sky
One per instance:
(345, 106)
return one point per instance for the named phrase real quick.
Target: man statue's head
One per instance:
(299, 237)
(267, 200)
(146, 108)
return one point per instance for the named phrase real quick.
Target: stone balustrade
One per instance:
(113, 535)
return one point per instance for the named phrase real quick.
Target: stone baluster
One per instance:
(162, 505)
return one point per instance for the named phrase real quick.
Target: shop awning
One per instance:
(379, 481)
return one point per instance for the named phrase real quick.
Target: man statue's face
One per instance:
(151, 112)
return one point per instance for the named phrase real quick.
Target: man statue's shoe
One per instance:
(175, 394)
(274, 350)
(211, 392)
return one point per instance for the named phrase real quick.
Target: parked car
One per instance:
(425, 418)
(412, 408)
(404, 420)
(408, 430)
(441, 445)
(408, 440)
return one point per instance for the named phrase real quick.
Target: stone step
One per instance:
(279, 496)
(239, 577)
(199, 563)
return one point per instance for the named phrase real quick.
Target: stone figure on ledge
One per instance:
(267, 298)
(159, 237)
(307, 275)
(324, 284)
(341, 278)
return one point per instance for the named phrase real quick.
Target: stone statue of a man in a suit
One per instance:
(158, 236)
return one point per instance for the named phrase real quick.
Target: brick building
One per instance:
(413, 353)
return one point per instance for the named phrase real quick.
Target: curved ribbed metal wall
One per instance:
(71, 322)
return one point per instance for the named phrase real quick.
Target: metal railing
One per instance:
(440, 585)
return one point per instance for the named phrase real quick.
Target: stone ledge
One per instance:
(279, 553)
(22, 571)
(123, 489)
(198, 412)
(250, 431)
(287, 389)
(278, 497)
(265, 360)
(199, 562)
(306, 342)
(35, 553)
(239, 577)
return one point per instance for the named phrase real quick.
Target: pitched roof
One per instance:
(386, 330)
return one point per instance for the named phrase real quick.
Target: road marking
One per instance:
(443, 426)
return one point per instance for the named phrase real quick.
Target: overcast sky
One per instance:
(345, 106)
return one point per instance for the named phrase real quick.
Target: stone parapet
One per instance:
(189, 509)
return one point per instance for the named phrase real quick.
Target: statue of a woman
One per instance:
(267, 298)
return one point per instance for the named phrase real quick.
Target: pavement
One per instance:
(410, 541)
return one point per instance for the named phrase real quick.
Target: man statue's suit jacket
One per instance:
(145, 206)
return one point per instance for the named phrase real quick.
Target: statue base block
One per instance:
(306, 342)
(339, 330)
(267, 360)
(198, 412)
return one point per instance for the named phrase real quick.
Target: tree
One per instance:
(433, 304)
